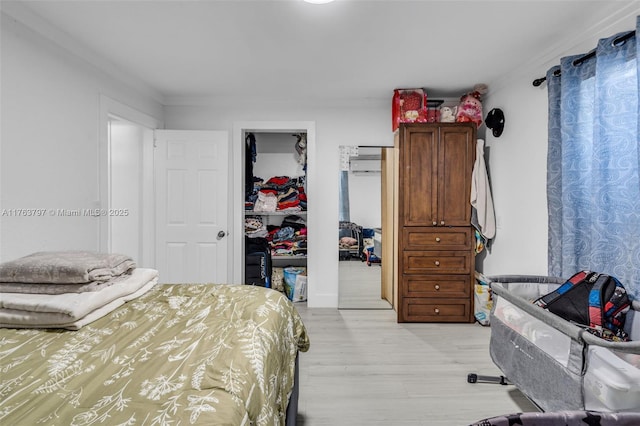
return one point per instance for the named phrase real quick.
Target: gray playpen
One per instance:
(556, 364)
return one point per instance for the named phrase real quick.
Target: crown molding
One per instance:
(306, 102)
(620, 17)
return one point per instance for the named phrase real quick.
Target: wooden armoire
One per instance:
(435, 258)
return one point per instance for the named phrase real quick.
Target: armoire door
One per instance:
(456, 152)
(418, 174)
(191, 177)
(436, 163)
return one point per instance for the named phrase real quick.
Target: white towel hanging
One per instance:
(481, 199)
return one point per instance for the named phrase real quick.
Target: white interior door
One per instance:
(191, 175)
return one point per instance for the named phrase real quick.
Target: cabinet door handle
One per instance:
(437, 311)
(437, 262)
(442, 222)
(437, 239)
(437, 287)
(435, 223)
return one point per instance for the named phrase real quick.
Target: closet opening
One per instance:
(361, 231)
(271, 190)
(276, 212)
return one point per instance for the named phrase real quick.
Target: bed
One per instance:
(177, 354)
(350, 241)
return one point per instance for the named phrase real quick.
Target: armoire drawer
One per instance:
(436, 310)
(442, 262)
(426, 238)
(436, 286)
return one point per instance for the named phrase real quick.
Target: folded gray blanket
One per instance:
(59, 288)
(65, 267)
(63, 310)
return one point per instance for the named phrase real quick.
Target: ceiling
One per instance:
(288, 49)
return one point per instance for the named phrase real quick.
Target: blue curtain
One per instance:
(344, 215)
(593, 184)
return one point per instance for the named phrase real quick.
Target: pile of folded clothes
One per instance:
(254, 227)
(279, 193)
(68, 289)
(289, 238)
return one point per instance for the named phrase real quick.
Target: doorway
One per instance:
(360, 233)
(240, 130)
(125, 152)
(130, 148)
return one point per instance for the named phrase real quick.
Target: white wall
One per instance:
(49, 142)
(366, 124)
(517, 167)
(276, 156)
(365, 203)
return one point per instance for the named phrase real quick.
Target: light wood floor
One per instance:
(359, 286)
(363, 368)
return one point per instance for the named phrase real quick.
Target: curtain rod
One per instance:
(618, 41)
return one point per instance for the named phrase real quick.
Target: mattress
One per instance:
(180, 354)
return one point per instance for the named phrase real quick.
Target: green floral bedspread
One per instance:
(179, 355)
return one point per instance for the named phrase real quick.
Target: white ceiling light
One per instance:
(318, 1)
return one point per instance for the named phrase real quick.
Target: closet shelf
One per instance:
(276, 213)
(286, 260)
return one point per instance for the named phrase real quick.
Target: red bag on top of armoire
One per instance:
(408, 106)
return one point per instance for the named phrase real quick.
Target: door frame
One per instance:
(109, 107)
(236, 208)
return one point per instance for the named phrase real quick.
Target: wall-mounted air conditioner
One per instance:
(364, 165)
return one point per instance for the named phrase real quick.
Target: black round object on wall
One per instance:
(495, 121)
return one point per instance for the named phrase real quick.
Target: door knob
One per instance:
(437, 311)
(221, 235)
(437, 287)
(437, 262)
(437, 239)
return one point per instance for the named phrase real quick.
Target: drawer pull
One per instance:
(437, 311)
(437, 239)
(437, 262)
(435, 223)
(437, 287)
(442, 222)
